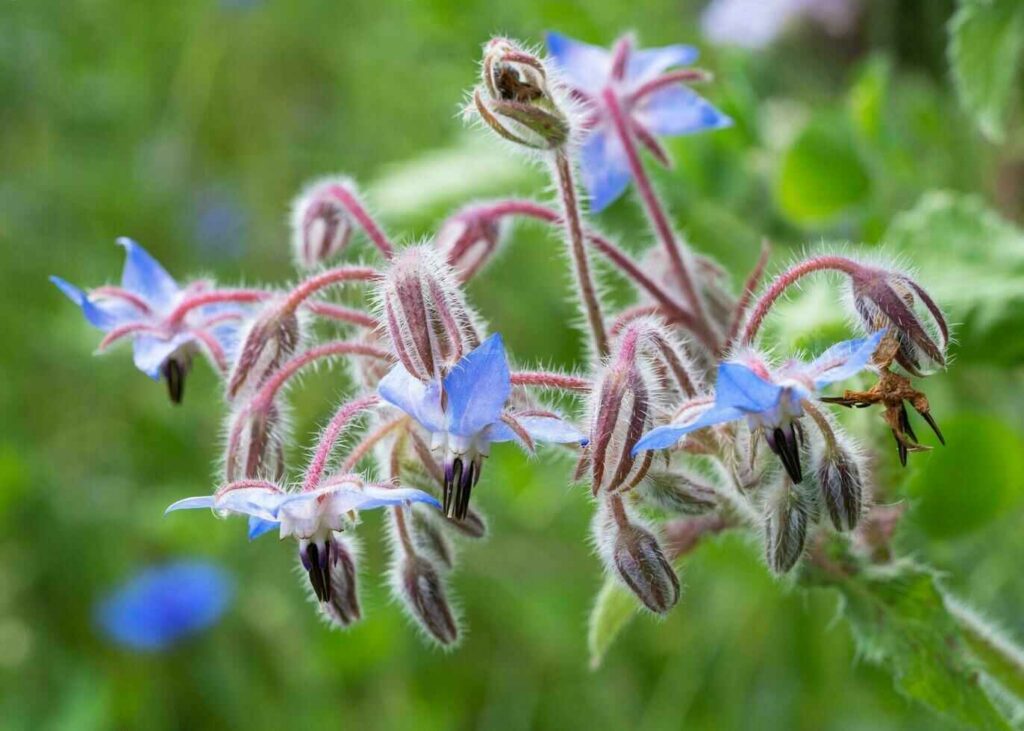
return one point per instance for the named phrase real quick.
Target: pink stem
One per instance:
(789, 277)
(330, 436)
(358, 211)
(550, 380)
(749, 288)
(122, 331)
(655, 211)
(342, 314)
(314, 284)
(216, 351)
(682, 76)
(213, 297)
(360, 450)
(218, 319)
(122, 294)
(628, 315)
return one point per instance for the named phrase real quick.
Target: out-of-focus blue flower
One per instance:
(653, 105)
(142, 309)
(465, 412)
(219, 222)
(164, 604)
(755, 24)
(770, 401)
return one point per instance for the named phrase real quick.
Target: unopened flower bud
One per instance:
(842, 489)
(343, 607)
(469, 239)
(789, 512)
(256, 439)
(473, 525)
(427, 318)
(321, 228)
(272, 338)
(421, 589)
(515, 98)
(888, 299)
(677, 492)
(635, 555)
(429, 539)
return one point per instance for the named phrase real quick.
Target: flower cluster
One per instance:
(666, 415)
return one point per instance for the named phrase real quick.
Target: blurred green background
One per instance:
(190, 125)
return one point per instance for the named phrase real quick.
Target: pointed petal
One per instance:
(645, 64)
(603, 169)
(258, 526)
(842, 360)
(254, 501)
(583, 66)
(477, 388)
(740, 387)
(144, 276)
(191, 503)
(421, 401)
(370, 497)
(677, 110)
(151, 352)
(666, 436)
(552, 429)
(105, 315)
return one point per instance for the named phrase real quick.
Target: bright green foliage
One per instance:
(986, 38)
(613, 608)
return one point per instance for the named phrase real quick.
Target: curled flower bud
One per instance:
(321, 228)
(427, 318)
(789, 512)
(272, 338)
(677, 492)
(842, 489)
(342, 609)
(893, 300)
(515, 98)
(421, 590)
(469, 239)
(256, 439)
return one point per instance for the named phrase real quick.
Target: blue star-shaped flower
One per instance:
(770, 401)
(654, 104)
(141, 309)
(465, 412)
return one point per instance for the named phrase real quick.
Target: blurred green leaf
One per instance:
(866, 99)
(899, 620)
(613, 609)
(1001, 656)
(971, 481)
(972, 261)
(986, 38)
(822, 175)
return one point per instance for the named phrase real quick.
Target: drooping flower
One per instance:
(164, 604)
(633, 83)
(464, 412)
(144, 309)
(312, 517)
(770, 400)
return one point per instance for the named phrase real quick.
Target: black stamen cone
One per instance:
(458, 484)
(784, 444)
(317, 566)
(174, 372)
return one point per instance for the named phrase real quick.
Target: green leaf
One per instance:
(899, 620)
(1001, 656)
(986, 38)
(822, 176)
(961, 487)
(972, 261)
(613, 609)
(867, 98)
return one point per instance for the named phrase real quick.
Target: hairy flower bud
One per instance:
(515, 98)
(426, 317)
(272, 338)
(842, 489)
(789, 511)
(677, 492)
(429, 539)
(321, 228)
(469, 239)
(256, 439)
(888, 299)
(342, 608)
(421, 589)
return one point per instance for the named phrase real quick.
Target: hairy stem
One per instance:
(329, 438)
(354, 207)
(544, 379)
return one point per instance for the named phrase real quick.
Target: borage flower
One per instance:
(636, 87)
(146, 308)
(312, 517)
(771, 401)
(464, 412)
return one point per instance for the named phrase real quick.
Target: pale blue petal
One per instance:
(583, 66)
(740, 387)
(604, 168)
(105, 314)
(150, 352)
(419, 400)
(645, 64)
(164, 604)
(552, 429)
(666, 436)
(346, 496)
(254, 501)
(678, 110)
(258, 527)
(842, 360)
(477, 388)
(144, 276)
(192, 503)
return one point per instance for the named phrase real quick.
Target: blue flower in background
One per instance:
(652, 102)
(164, 604)
(143, 309)
(465, 412)
(770, 401)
